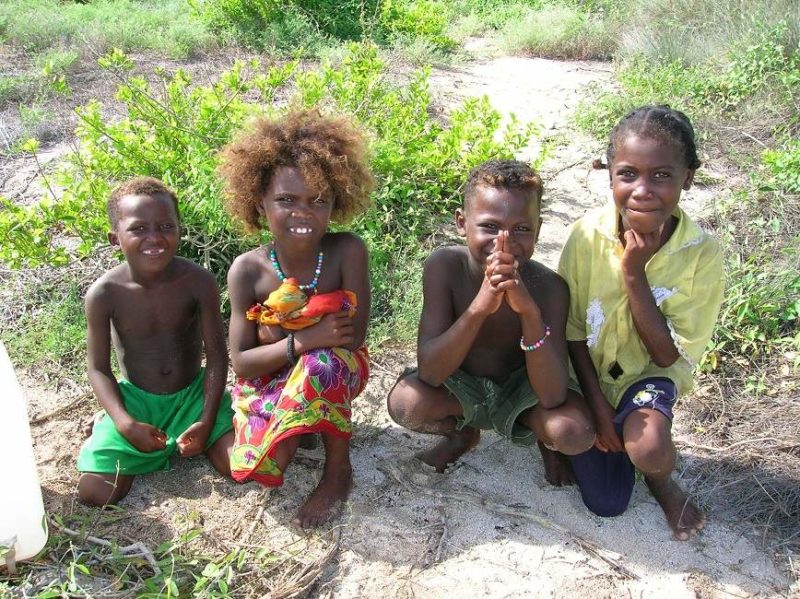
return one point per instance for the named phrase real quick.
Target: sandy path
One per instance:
(431, 537)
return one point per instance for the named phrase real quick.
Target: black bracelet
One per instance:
(290, 349)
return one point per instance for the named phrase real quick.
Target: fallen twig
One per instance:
(60, 410)
(732, 445)
(745, 134)
(301, 582)
(246, 535)
(438, 555)
(137, 549)
(476, 499)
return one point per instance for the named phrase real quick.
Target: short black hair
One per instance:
(503, 174)
(657, 122)
(147, 186)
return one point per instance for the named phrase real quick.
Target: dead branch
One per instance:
(246, 535)
(60, 410)
(133, 550)
(302, 582)
(713, 449)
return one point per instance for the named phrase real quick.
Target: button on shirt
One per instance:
(687, 282)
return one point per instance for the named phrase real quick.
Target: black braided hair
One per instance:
(657, 122)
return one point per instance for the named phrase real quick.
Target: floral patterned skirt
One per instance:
(313, 396)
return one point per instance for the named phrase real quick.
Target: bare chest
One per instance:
(147, 314)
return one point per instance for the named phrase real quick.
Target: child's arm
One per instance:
(249, 359)
(355, 278)
(142, 436)
(193, 440)
(575, 267)
(647, 317)
(444, 340)
(607, 438)
(551, 357)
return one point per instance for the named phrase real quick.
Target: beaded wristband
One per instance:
(536, 345)
(290, 349)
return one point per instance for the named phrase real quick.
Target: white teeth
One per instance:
(300, 230)
(153, 252)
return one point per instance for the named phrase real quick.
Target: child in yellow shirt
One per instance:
(646, 286)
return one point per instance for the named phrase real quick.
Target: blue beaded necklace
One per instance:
(312, 286)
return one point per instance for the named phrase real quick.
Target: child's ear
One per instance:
(689, 179)
(538, 230)
(113, 238)
(460, 218)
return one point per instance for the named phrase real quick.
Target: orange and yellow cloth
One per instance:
(313, 396)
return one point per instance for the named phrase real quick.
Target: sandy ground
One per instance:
(491, 526)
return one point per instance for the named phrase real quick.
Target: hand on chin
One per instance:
(643, 224)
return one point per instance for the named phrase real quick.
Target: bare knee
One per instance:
(402, 402)
(570, 435)
(568, 428)
(219, 454)
(648, 442)
(102, 489)
(653, 454)
(420, 407)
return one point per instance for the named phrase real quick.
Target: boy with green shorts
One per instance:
(161, 312)
(491, 350)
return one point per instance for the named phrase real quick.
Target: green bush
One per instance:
(761, 75)
(16, 88)
(558, 32)
(783, 164)
(417, 19)
(761, 309)
(54, 326)
(36, 25)
(174, 135)
(697, 31)
(311, 24)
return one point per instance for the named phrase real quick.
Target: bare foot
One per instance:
(452, 447)
(557, 468)
(683, 516)
(326, 500)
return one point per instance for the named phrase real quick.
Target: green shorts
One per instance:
(108, 452)
(489, 406)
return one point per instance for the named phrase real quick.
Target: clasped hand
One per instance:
(192, 441)
(148, 438)
(502, 280)
(333, 330)
(144, 437)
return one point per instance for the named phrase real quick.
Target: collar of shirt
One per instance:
(686, 234)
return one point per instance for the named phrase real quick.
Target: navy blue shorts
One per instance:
(606, 478)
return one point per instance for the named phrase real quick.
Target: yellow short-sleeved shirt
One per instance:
(687, 282)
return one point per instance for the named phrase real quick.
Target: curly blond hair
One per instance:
(329, 152)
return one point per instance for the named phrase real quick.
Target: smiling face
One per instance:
(647, 177)
(147, 231)
(491, 210)
(297, 214)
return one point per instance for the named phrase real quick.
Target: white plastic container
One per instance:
(23, 526)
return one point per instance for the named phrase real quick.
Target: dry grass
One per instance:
(746, 447)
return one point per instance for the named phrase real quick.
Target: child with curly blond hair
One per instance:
(300, 304)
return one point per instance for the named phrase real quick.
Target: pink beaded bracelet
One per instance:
(536, 345)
